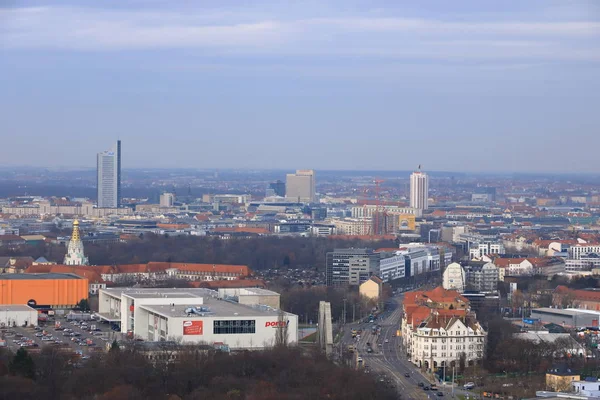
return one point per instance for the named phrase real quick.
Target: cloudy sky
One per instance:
(506, 85)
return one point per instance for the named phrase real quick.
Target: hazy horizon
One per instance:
(331, 85)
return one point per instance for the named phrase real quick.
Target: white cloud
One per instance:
(229, 32)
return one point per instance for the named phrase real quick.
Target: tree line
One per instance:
(258, 253)
(282, 373)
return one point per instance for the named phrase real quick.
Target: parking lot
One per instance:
(84, 337)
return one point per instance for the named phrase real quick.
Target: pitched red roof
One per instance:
(505, 262)
(88, 272)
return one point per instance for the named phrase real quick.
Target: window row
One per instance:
(234, 326)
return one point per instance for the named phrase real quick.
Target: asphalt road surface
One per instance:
(388, 358)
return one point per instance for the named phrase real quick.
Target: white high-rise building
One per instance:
(167, 199)
(109, 177)
(419, 190)
(75, 255)
(301, 186)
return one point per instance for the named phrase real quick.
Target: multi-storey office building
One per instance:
(350, 266)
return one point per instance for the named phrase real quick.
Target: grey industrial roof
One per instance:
(217, 308)
(50, 275)
(161, 292)
(16, 307)
(558, 311)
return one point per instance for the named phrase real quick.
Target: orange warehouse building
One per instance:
(52, 289)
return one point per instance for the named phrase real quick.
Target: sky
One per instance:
(473, 86)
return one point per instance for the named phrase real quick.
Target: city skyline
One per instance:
(470, 87)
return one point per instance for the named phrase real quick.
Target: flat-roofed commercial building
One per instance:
(17, 315)
(566, 317)
(195, 316)
(49, 290)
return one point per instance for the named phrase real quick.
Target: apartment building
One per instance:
(482, 277)
(438, 329)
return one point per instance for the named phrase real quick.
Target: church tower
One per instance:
(75, 255)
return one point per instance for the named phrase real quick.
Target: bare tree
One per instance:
(282, 334)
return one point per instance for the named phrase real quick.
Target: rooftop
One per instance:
(161, 293)
(50, 275)
(216, 308)
(567, 312)
(16, 307)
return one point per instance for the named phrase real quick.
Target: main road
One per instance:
(387, 356)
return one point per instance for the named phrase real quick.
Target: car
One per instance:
(369, 344)
(46, 339)
(407, 375)
(369, 350)
(104, 339)
(97, 334)
(425, 387)
(469, 385)
(38, 335)
(387, 340)
(440, 394)
(359, 359)
(420, 384)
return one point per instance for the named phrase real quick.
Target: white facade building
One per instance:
(413, 259)
(368, 210)
(579, 250)
(392, 268)
(17, 315)
(439, 343)
(75, 254)
(195, 316)
(478, 250)
(419, 190)
(454, 278)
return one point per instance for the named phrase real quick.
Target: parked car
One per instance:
(469, 385)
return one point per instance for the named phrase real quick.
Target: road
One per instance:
(389, 358)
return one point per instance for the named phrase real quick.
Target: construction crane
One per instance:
(377, 204)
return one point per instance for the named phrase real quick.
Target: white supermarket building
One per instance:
(198, 316)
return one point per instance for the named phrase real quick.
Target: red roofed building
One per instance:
(588, 299)
(90, 273)
(156, 271)
(439, 315)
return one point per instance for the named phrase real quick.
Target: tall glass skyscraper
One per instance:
(109, 177)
